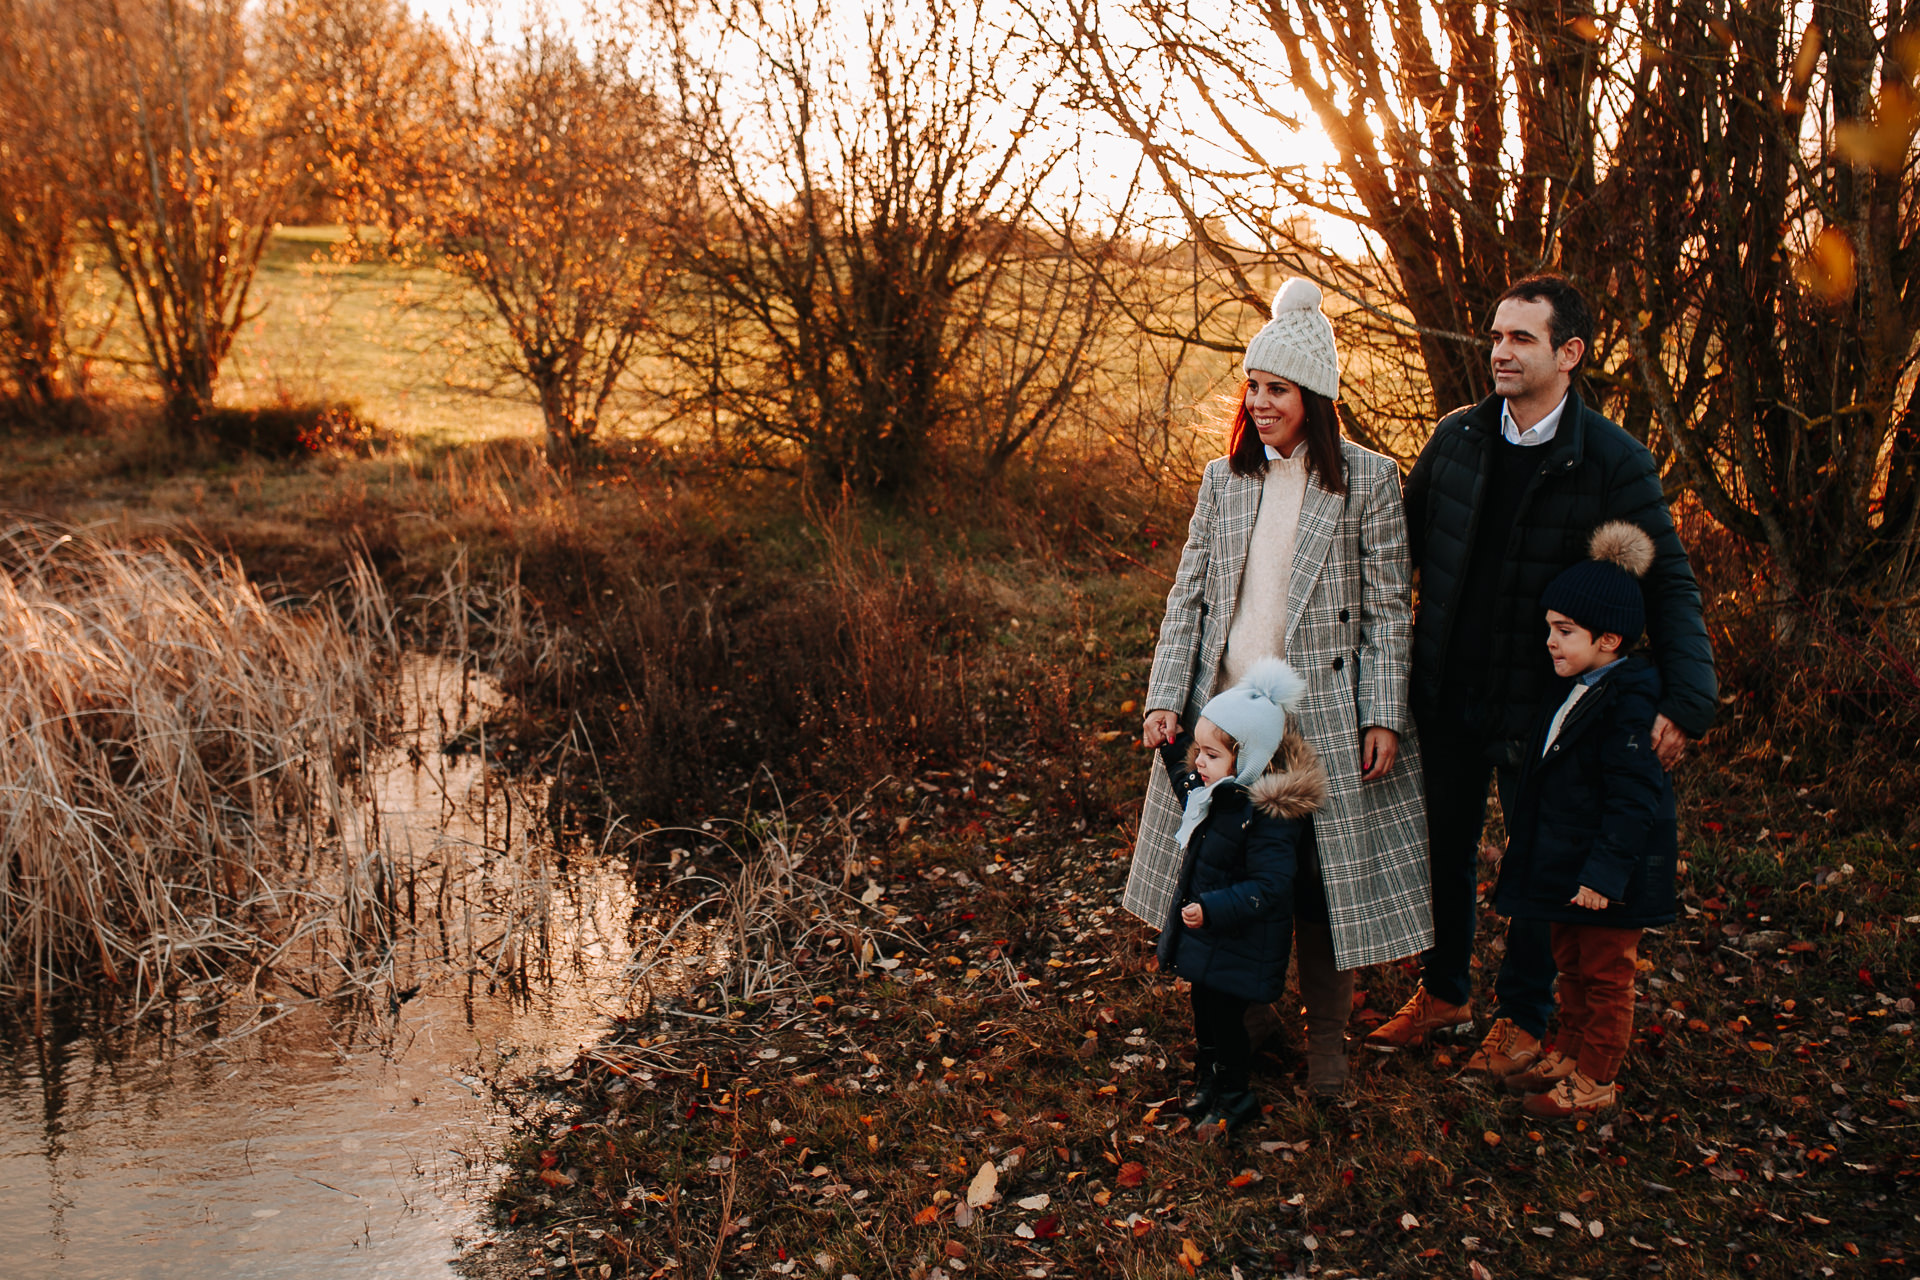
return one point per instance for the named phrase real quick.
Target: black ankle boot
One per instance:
(1231, 1109)
(1196, 1099)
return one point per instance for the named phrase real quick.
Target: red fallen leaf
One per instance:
(1239, 1180)
(1865, 975)
(954, 1249)
(1429, 1253)
(1714, 904)
(929, 1214)
(1346, 1177)
(556, 1179)
(548, 1159)
(1802, 945)
(1047, 1228)
(1132, 1174)
(1713, 828)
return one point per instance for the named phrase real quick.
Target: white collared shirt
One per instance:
(1539, 433)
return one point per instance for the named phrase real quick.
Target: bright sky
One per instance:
(1106, 161)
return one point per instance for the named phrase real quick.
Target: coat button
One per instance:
(1338, 663)
(1343, 615)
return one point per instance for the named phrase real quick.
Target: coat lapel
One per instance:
(1320, 514)
(1581, 717)
(1239, 508)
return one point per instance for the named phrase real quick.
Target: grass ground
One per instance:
(1008, 1018)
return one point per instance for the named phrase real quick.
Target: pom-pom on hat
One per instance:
(1602, 594)
(1297, 344)
(1254, 713)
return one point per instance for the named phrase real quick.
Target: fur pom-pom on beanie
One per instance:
(1602, 594)
(1254, 713)
(1297, 344)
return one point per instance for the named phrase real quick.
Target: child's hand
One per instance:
(1591, 899)
(1192, 916)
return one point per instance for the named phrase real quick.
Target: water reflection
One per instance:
(263, 1133)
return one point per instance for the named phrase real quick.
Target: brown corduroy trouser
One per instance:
(1597, 965)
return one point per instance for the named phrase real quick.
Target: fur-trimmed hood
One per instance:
(1295, 784)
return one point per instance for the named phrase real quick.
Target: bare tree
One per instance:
(867, 272)
(182, 166)
(537, 170)
(1755, 285)
(1766, 240)
(38, 222)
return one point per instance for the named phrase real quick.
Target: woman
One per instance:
(1298, 550)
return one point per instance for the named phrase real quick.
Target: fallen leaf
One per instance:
(1132, 1174)
(1040, 1201)
(1478, 1272)
(1048, 1227)
(1408, 1222)
(1190, 1255)
(1595, 1230)
(1491, 1138)
(983, 1187)
(1239, 1180)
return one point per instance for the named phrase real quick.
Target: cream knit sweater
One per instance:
(1259, 626)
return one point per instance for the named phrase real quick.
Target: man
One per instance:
(1505, 496)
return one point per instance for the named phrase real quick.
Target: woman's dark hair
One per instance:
(1248, 457)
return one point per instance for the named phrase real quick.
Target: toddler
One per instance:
(1249, 784)
(1592, 841)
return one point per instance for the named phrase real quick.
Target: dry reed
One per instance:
(180, 762)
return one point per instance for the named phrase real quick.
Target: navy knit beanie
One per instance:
(1603, 594)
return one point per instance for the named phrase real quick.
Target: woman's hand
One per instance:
(1378, 750)
(1161, 727)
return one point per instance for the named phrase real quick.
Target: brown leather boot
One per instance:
(1418, 1020)
(1327, 993)
(1507, 1050)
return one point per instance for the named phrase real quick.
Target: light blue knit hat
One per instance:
(1254, 714)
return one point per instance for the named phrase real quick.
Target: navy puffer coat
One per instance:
(1239, 867)
(1590, 472)
(1596, 810)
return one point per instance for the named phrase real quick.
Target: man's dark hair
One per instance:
(1571, 316)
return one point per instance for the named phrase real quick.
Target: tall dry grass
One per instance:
(179, 768)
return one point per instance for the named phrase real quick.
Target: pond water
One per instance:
(301, 1138)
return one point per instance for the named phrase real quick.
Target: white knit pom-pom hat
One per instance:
(1297, 344)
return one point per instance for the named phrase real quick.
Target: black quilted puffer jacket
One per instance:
(1590, 472)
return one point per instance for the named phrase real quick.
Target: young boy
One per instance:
(1592, 841)
(1248, 783)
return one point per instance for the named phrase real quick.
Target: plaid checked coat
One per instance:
(1350, 633)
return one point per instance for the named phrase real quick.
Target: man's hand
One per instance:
(1192, 916)
(1591, 899)
(1669, 742)
(1378, 749)
(1161, 727)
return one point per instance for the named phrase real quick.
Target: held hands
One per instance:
(1192, 916)
(1591, 899)
(1378, 749)
(1161, 727)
